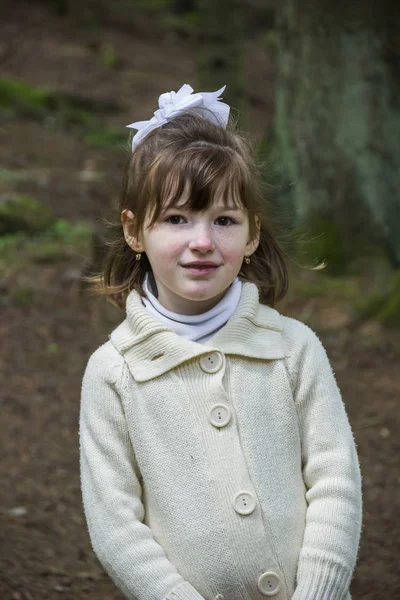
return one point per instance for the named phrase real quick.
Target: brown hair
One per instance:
(191, 156)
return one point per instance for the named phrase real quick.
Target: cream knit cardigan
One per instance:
(159, 479)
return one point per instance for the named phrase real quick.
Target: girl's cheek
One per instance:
(173, 248)
(167, 250)
(232, 252)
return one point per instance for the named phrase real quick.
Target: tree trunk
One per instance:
(338, 117)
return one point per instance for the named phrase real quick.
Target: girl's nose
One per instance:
(202, 240)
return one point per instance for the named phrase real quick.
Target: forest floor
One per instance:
(50, 326)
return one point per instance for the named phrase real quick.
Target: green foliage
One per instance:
(152, 5)
(372, 292)
(71, 234)
(12, 176)
(11, 242)
(59, 7)
(345, 288)
(61, 241)
(269, 41)
(59, 110)
(18, 97)
(102, 137)
(22, 212)
(185, 24)
(62, 111)
(109, 56)
(23, 296)
(382, 305)
(52, 348)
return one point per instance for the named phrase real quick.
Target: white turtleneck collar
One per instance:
(197, 328)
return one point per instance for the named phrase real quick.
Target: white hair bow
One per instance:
(172, 104)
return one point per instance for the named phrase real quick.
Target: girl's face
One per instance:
(194, 256)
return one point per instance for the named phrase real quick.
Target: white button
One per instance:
(269, 583)
(220, 415)
(211, 363)
(244, 503)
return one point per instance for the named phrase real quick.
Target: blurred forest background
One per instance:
(316, 84)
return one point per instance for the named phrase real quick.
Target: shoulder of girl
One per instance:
(105, 362)
(298, 336)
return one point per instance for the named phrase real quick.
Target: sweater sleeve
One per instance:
(111, 492)
(331, 474)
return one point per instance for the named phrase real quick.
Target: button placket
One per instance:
(244, 517)
(219, 414)
(233, 487)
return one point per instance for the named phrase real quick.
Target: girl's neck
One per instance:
(182, 306)
(199, 327)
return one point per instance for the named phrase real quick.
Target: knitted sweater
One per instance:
(225, 470)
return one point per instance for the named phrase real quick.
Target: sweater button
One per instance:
(211, 363)
(244, 503)
(220, 415)
(269, 583)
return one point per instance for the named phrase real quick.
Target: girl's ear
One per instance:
(128, 222)
(252, 245)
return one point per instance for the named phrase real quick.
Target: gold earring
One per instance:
(138, 255)
(247, 260)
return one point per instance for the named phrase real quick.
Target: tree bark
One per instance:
(338, 116)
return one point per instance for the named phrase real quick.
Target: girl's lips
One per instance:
(202, 265)
(201, 269)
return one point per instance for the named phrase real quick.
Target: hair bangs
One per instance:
(197, 178)
(235, 187)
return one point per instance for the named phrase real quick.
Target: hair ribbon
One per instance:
(172, 104)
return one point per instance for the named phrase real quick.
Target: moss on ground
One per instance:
(345, 288)
(60, 242)
(21, 212)
(383, 305)
(59, 110)
(103, 137)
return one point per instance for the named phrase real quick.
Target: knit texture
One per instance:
(159, 480)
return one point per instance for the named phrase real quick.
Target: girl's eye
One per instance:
(224, 221)
(174, 219)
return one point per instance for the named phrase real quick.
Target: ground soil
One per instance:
(45, 551)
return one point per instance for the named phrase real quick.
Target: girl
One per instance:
(217, 460)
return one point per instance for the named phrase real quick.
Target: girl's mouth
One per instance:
(202, 269)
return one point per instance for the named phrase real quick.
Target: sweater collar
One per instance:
(150, 348)
(201, 327)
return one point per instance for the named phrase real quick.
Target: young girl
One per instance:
(217, 460)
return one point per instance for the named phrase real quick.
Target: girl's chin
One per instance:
(192, 296)
(202, 290)
(211, 297)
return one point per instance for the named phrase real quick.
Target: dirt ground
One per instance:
(45, 551)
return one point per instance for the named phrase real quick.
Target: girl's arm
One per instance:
(112, 492)
(331, 474)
